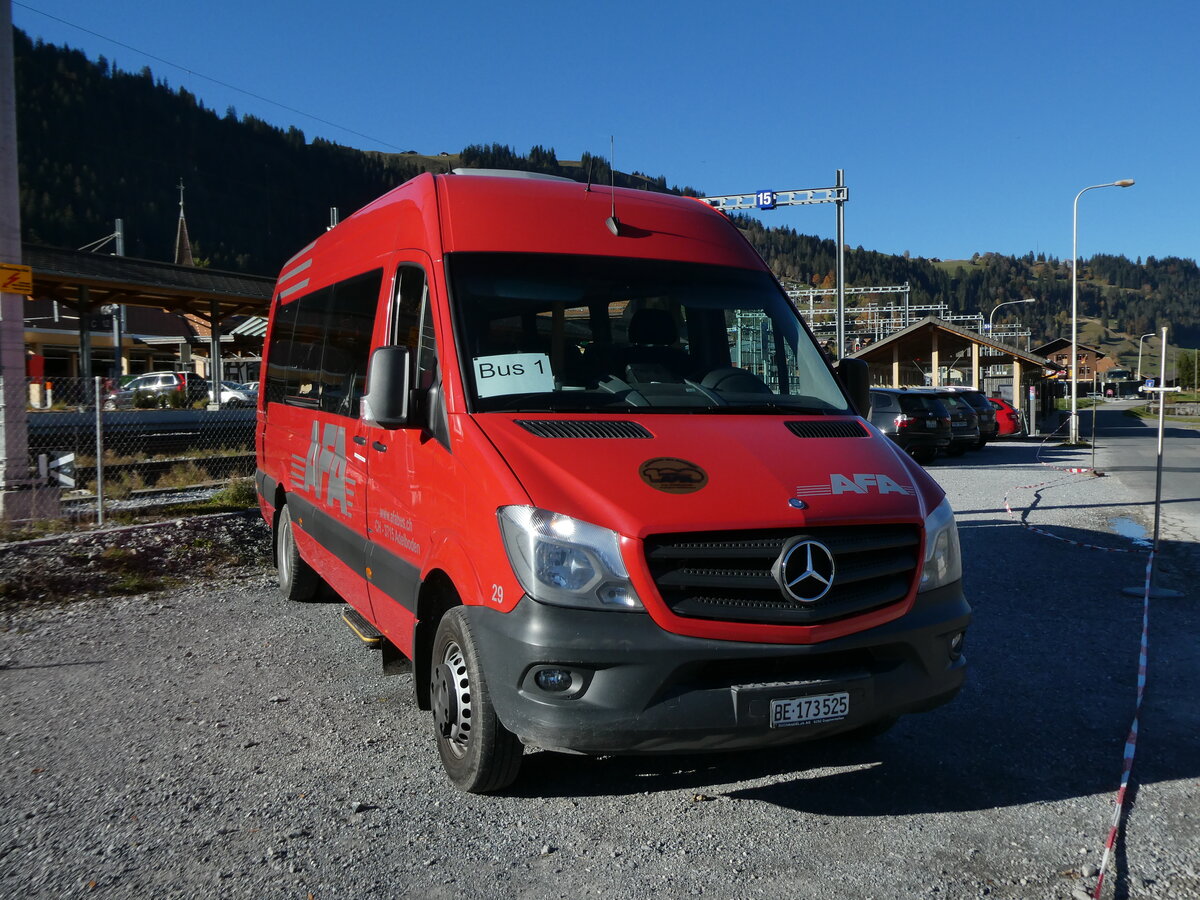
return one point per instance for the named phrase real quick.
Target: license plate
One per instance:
(931, 423)
(809, 710)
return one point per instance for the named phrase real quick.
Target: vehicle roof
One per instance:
(489, 213)
(514, 213)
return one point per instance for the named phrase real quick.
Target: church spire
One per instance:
(183, 244)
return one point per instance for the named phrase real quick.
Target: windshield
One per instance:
(585, 333)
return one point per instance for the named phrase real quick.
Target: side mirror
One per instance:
(855, 376)
(389, 383)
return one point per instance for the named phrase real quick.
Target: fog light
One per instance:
(618, 595)
(956, 644)
(553, 680)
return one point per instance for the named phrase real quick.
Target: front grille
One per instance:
(726, 576)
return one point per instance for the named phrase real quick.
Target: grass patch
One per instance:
(1145, 412)
(183, 474)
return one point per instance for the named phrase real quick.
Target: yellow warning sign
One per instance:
(16, 279)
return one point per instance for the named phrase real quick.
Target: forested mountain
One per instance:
(97, 143)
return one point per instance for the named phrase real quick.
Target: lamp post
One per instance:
(1124, 183)
(992, 317)
(1139, 366)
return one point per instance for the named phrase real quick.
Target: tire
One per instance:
(297, 580)
(478, 752)
(110, 404)
(924, 456)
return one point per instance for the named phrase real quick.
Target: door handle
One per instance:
(380, 446)
(360, 440)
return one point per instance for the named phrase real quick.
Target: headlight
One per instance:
(943, 562)
(564, 561)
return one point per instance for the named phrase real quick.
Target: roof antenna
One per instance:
(613, 223)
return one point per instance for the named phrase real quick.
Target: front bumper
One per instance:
(638, 689)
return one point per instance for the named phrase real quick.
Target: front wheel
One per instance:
(478, 752)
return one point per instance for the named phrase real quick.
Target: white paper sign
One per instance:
(513, 373)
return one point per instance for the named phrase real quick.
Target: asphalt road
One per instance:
(1127, 448)
(217, 741)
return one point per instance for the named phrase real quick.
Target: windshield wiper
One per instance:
(779, 409)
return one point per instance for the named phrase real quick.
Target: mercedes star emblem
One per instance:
(804, 570)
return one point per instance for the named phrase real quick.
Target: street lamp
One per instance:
(992, 317)
(1124, 183)
(1139, 366)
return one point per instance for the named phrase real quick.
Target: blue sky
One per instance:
(961, 126)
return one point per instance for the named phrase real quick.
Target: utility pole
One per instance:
(21, 496)
(14, 434)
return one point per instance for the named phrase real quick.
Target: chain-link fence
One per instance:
(106, 450)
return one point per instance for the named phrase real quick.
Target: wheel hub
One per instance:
(450, 696)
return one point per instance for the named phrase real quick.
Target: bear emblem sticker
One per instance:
(673, 476)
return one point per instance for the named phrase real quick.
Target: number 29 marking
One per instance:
(497, 594)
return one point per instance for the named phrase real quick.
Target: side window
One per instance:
(303, 386)
(279, 351)
(350, 320)
(319, 346)
(412, 324)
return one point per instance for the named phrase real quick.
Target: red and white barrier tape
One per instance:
(1143, 655)
(1131, 740)
(1030, 487)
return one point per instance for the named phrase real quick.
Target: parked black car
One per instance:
(989, 428)
(964, 422)
(917, 421)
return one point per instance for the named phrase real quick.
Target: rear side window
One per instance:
(319, 346)
(956, 403)
(919, 403)
(976, 400)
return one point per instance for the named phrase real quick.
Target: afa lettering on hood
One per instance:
(863, 483)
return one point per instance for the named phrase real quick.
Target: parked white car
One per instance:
(234, 394)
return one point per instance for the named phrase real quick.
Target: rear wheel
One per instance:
(478, 752)
(925, 455)
(297, 580)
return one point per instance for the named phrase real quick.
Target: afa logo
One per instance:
(323, 471)
(861, 483)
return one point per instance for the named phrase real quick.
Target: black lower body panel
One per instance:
(635, 688)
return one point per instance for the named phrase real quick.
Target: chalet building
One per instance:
(1098, 372)
(1091, 360)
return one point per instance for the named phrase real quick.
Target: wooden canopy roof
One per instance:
(77, 279)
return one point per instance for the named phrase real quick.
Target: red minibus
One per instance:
(575, 457)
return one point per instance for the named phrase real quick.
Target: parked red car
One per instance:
(1007, 418)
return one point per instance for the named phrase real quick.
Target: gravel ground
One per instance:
(212, 740)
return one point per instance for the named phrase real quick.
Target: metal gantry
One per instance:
(767, 199)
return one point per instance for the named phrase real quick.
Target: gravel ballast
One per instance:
(212, 740)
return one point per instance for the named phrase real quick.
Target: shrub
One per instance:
(237, 492)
